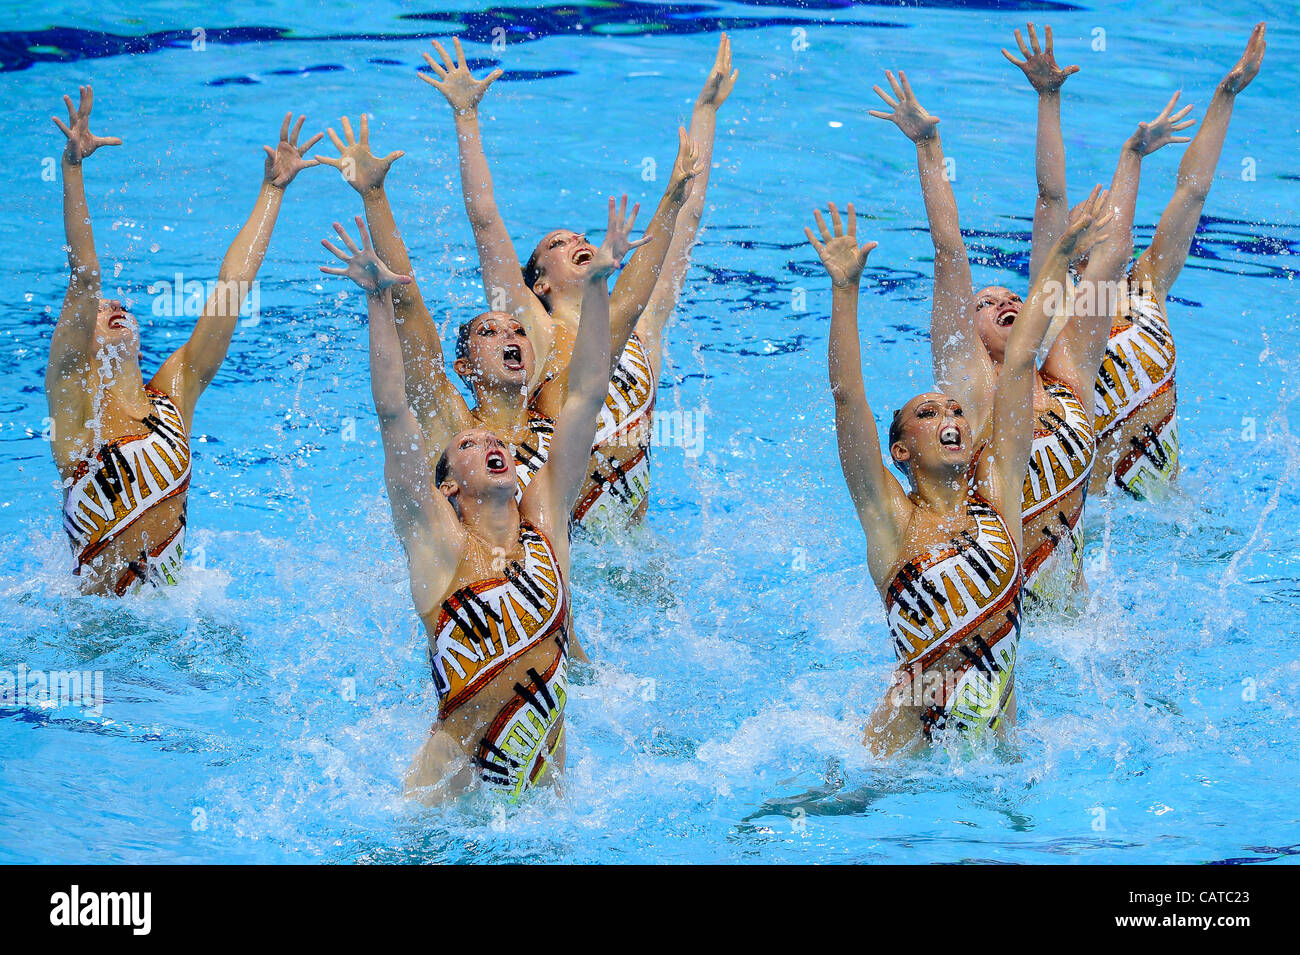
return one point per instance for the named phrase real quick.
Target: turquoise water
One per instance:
(265, 709)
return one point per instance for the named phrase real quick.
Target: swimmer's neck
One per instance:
(1040, 393)
(124, 390)
(494, 521)
(566, 305)
(501, 408)
(946, 494)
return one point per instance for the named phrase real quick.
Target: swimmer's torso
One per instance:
(1055, 488)
(953, 612)
(498, 650)
(124, 506)
(616, 492)
(1135, 400)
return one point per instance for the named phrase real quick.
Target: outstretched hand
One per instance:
(1089, 226)
(721, 79)
(687, 164)
(1039, 63)
(286, 160)
(1160, 131)
(363, 170)
(81, 141)
(908, 115)
(363, 266)
(617, 242)
(1247, 67)
(455, 81)
(840, 253)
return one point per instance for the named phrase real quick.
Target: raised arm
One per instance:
(191, 368)
(1052, 208)
(1012, 433)
(1078, 351)
(877, 495)
(72, 346)
(636, 283)
(503, 278)
(704, 120)
(424, 519)
(962, 367)
(1163, 261)
(549, 499)
(438, 406)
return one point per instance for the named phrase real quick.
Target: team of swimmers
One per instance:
(563, 371)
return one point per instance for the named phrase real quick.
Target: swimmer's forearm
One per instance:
(1196, 171)
(637, 281)
(844, 362)
(475, 176)
(940, 203)
(1051, 210)
(82, 258)
(588, 369)
(244, 258)
(387, 377)
(422, 354)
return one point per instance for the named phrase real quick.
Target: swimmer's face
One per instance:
(117, 329)
(935, 434)
(479, 463)
(498, 352)
(997, 309)
(563, 259)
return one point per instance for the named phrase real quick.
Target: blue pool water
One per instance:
(265, 709)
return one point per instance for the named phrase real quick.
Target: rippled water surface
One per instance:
(738, 640)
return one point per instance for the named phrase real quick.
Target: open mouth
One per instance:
(583, 255)
(512, 357)
(120, 320)
(496, 463)
(1006, 317)
(950, 437)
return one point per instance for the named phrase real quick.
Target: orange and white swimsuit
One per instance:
(1137, 370)
(478, 631)
(533, 452)
(961, 605)
(126, 478)
(617, 490)
(1056, 486)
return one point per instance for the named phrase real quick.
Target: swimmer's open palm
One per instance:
(363, 266)
(721, 79)
(1039, 63)
(908, 115)
(1247, 67)
(363, 170)
(1089, 226)
(618, 239)
(454, 80)
(81, 141)
(840, 253)
(1160, 131)
(288, 159)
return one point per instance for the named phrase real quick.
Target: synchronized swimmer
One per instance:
(997, 462)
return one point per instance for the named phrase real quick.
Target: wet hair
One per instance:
(443, 470)
(896, 428)
(896, 435)
(462, 339)
(532, 272)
